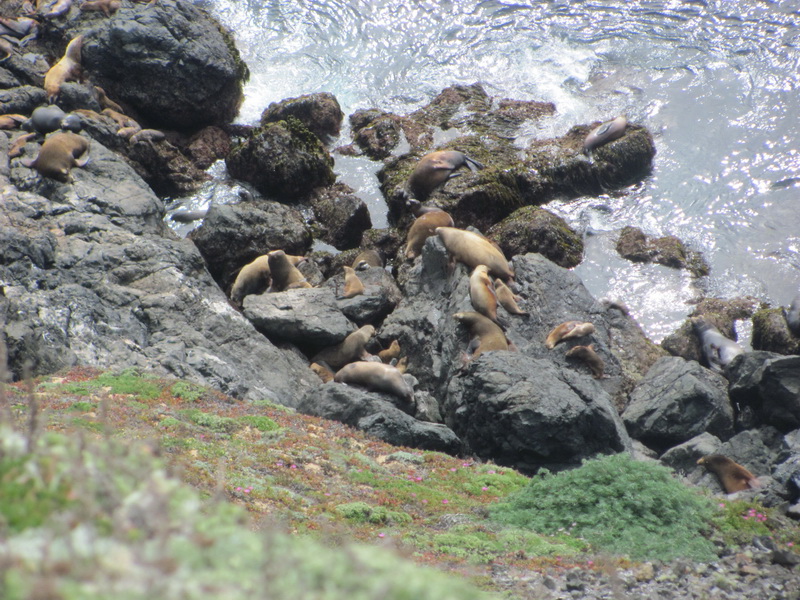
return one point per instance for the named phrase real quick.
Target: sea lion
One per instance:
(486, 334)
(45, 119)
(352, 348)
(11, 121)
(285, 275)
(105, 102)
(59, 154)
(67, 68)
(23, 28)
(401, 364)
(507, 298)
(18, 143)
(606, 132)
(792, 316)
(146, 135)
(718, 350)
(366, 259)
(418, 209)
(187, 216)
(609, 304)
(733, 477)
(434, 169)
(376, 376)
(6, 48)
(590, 356)
(473, 249)
(567, 331)
(253, 278)
(482, 294)
(422, 228)
(56, 9)
(109, 7)
(120, 119)
(128, 132)
(392, 352)
(323, 371)
(352, 284)
(72, 122)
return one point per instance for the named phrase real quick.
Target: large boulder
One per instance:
(772, 333)
(534, 229)
(319, 112)
(668, 250)
(341, 216)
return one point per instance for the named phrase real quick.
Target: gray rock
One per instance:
(319, 112)
(528, 414)
(21, 100)
(769, 385)
(683, 457)
(342, 216)
(676, 401)
(381, 296)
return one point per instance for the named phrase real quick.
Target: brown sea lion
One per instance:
(352, 348)
(7, 48)
(486, 334)
(146, 135)
(422, 228)
(105, 102)
(352, 284)
(366, 259)
(59, 154)
(507, 298)
(11, 121)
(434, 169)
(567, 331)
(109, 7)
(120, 119)
(284, 274)
(590, 356)
(18, 143)
(606, 132)
(733, 477)
(482, 294)
(392, 352)
(473, 249)
(418, 209)
(69, 67)
(323, 371)
(253, 278)
(401, 364)
(376, 376)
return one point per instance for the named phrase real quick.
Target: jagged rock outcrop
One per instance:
(320, 113)
(668, 250)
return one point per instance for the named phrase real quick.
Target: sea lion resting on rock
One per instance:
(19, 143)
(507, 298)
(366, 259)
(59, 154)
(67, 68)
(284, 274)
(590, 356)
(378, 377)
(733, 477)
(792, 316)
(352, 348)
(254, 277)
(718, 350)
(392, 352)
(473, 249)
(45, 119)
(487, 335)
(605, 133)
(11, 121)
(482, 294)
(566, 331)
(352, 284)
(109, 7)
(423, 227)
(322, 371)
(435, 169)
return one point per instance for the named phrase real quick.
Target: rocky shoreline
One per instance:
(90, 274)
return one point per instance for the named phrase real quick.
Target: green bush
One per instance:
(627, 507)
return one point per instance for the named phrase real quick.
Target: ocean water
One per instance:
(716, 82)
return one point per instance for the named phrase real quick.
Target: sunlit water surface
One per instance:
(715, 81)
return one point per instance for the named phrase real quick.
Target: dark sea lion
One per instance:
(733, 477)
(72, 122)
(482, 294)
(607, 132)
(567, 331)
(45, 119)
(59, 154)
(285, 275)
(507, 298)
(187, 216)
(473, 250)
(352, 284)
(366, 259)
(376, 376)
(69, 67)
(590, 356)
(718, 350)
(434, 169)
(792, 316)
(486, 334)
(392, 352)
(351, 349)
(422, 228)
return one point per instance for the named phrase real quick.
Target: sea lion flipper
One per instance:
(454, 175)
(82, 161)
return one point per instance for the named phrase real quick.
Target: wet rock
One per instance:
(528, 414)
(387, 241)
(769, 385)
(534, 229)
(319, 112)
(207, 146)
(669, 251)
(342, 215)
(233, 235)
(21, 100)
(771, 333)
(676, 401)
(377, 414)
(73, 96)
(283, 160)
(165, 168)
(133, 56)
(380, 133)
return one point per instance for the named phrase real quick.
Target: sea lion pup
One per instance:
(718, 350)
(486, 334)
(59, 154)
(434, 169)
(606, 132)
(366, 259)
(376, 376)
(733, 477)
(352, 284)
(67, 68)
(323, 371)
(284, 274)
(105, 102)
(351, 349)
(109, 7)
(792, 316)
(590, 356)
(473, 249)
(423, 227)
(146, 135)
(18, 143)
(482, 294)
(11, 121)
(187, 216)
(508, 299)
(567, 331)
(391, 353)
(45, 119)
(120, 119)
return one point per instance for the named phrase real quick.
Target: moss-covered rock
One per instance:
(379, 133)
(669, 251)
(319, 112)
(770, 332)
(341, 215)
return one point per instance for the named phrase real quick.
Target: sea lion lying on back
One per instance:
(435, 169)
(59, 154)
(69, 67)
(733, 477)
(718, 350)
(473, 249)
